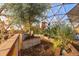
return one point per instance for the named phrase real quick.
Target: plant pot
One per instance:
(57, 51)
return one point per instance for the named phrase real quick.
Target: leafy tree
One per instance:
(23, 13)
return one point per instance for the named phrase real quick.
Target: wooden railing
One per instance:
(45, 38)
(12, 46)
(73, 52)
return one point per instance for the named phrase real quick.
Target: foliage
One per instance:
(37, 30)
(29, 12)
(62, 35)
(57, 43)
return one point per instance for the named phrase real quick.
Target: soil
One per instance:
(43, 49)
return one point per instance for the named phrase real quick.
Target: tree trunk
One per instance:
(30, 25)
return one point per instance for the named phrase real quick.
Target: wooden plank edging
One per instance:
(7, 45)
